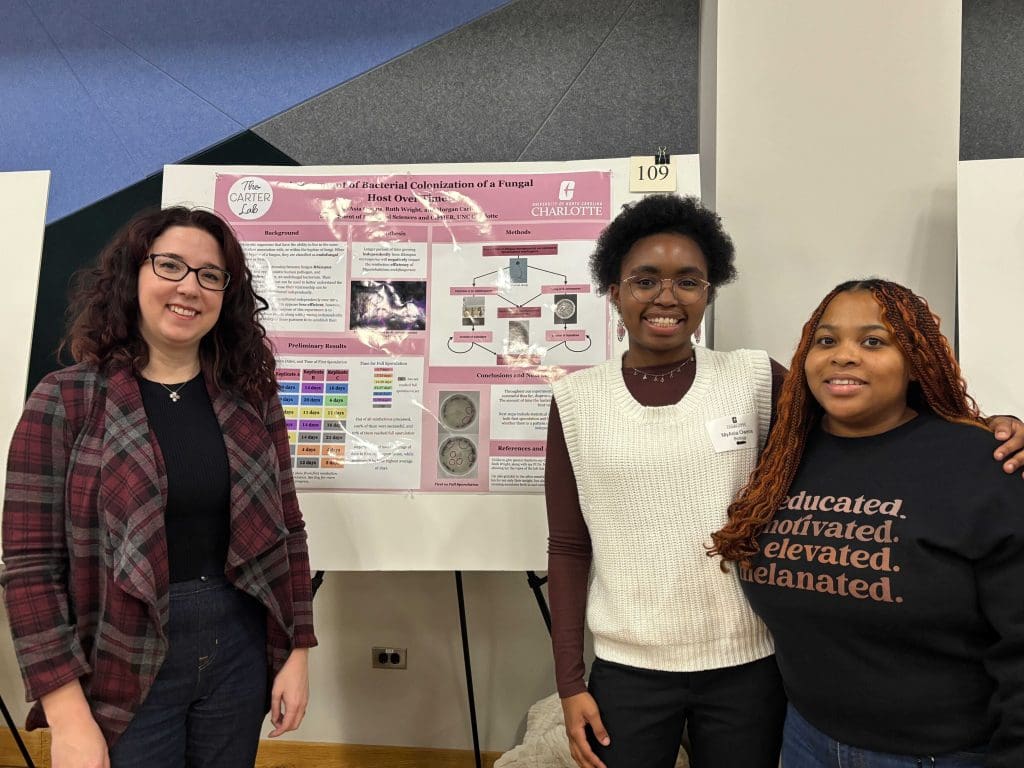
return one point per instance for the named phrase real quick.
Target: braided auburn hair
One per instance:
(937, 386)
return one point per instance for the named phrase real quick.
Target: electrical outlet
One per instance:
(388, 658)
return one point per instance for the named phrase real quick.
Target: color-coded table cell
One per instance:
(309, 437)
(334, 437)
(307, 462)
(314, 412)
(287, 387)
(289, 399)
(312, 399)
(336, 400)
(336, 389)
(335, 425)
(310, 425)
(291, 424)
(336, 374)
(312, 388)
(287, 374)
(290, 412)
(293, 436)
(332, 450)
(308, 450)
(335, 413)
(332, 463)
(312, 374)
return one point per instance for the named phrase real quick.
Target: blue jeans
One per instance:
(207, 704)
(804, 746)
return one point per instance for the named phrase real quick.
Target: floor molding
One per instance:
(289, 754)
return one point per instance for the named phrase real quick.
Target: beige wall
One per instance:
(837, 129)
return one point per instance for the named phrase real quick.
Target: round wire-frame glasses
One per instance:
(687, 289)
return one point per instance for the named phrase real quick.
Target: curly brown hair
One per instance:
(103, 313)
(937, 387)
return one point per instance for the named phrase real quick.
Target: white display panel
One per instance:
(990, 281)
(395, 529)
(23, 221)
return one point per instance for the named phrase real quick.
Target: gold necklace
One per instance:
(660, 377)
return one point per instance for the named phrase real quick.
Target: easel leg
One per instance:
(17, 736)
(536, 582)
(469, 668)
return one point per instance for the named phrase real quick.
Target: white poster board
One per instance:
(508, 241)
(23, 222)
(990, 275)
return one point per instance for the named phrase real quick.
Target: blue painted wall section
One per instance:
(104, 92)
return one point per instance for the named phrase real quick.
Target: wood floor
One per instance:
(287, 754)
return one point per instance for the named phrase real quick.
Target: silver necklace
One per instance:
(174, 396)
(661, 377)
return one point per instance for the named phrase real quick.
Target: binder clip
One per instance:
(661, 157)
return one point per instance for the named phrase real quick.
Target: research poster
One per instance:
(418, 314)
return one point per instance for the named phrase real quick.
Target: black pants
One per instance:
(734, 715)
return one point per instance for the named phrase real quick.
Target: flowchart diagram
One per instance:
(531, 308)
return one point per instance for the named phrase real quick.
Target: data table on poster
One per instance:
(315, 403)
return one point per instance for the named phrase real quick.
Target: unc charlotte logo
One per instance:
(250, 197)
(566, 190)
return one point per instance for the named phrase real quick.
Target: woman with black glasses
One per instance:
(157, 577)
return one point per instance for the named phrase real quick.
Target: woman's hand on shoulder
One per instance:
(76, 741)
(580, 711)
(289, 695)
(1010, 431)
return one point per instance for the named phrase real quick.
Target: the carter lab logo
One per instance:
(250, 197)
(566, 190)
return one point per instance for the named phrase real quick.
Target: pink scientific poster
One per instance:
(417, 318)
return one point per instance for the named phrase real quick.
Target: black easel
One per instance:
(17, 736)
(536, 582)
(469, 668)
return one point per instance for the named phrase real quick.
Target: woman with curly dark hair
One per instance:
(645, 454)
(892, 585)
(157, 577)
(654, 446)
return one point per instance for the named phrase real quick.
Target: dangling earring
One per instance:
(696, 335)
(620, 330)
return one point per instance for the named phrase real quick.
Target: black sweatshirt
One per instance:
(892, 579)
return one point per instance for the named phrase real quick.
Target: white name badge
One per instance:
(733, 433)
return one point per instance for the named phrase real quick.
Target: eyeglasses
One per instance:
(171, 267)
(687, 289)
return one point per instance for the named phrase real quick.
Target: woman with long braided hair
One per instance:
(883, 549)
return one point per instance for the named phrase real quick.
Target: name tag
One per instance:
(733, 433)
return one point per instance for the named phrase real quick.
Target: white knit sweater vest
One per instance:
(652, 489)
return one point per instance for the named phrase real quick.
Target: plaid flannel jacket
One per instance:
(85, 547)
